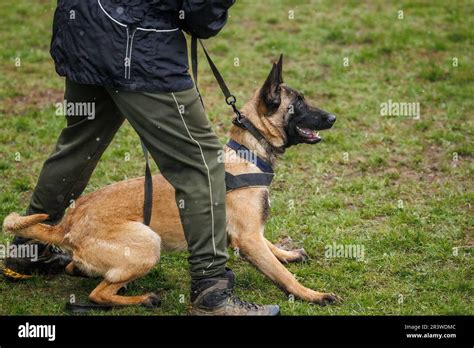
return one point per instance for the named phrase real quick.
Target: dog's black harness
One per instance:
(245, 153)
(234, 182)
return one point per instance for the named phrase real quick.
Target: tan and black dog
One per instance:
(105, 230)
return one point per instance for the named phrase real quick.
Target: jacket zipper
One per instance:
(128, 52)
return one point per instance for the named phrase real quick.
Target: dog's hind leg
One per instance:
(131, 250)
(106, 293)
(287, 256)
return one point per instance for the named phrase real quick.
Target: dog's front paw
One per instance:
(152, 301)
(302, 255)
(324, 299)
(297, 255)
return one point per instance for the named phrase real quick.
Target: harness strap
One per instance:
(148, 200)
(234, 182)
(245, 153)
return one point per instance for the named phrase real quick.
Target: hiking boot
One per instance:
(50, 260)
(213, 296)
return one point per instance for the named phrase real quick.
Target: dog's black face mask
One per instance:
(305, 122)
(301, 121)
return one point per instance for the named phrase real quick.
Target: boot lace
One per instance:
(241, 303)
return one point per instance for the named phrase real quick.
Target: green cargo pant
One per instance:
(178, 135)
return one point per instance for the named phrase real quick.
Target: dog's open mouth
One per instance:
(309, 135)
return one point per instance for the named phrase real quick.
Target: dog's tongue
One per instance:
(308, 133)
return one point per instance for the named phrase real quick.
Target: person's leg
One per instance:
(67, 171)
(81, 143)
(176, 131)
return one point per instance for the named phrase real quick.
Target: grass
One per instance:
(401, 188)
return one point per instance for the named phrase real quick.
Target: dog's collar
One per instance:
(245, 153)
(244, 123)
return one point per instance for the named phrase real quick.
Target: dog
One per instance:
(106, 235)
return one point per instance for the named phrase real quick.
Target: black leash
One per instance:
(230, 99)
(234, 182)
(79, 308)
(148, 200)
(240, 119)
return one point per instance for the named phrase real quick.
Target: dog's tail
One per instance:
(31, 227)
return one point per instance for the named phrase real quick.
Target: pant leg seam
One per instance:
(208, 177)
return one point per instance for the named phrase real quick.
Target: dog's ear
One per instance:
(270, 93)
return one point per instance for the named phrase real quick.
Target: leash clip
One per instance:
(231, 100)
(238, 120)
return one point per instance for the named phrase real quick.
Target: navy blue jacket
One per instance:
(133, 45)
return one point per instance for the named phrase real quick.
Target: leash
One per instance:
(148, 195)
(234, 182)
(77, 308)
(240, 120)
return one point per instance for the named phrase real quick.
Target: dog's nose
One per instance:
(331, 118)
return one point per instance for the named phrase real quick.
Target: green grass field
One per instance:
(400, 187)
